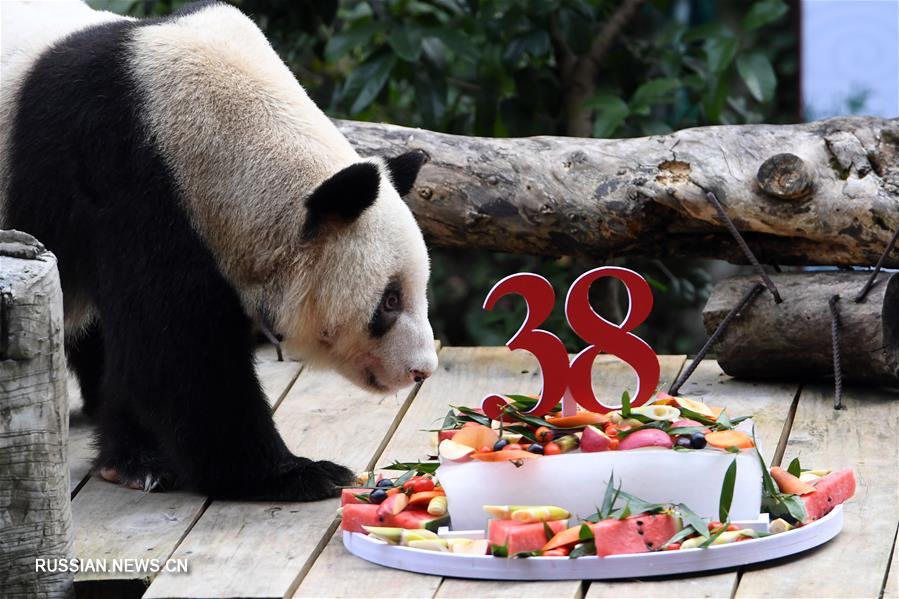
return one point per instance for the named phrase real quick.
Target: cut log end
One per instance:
(785, 176)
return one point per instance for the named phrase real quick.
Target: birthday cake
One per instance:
(537, 477)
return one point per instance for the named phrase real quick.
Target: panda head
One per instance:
(361, 306)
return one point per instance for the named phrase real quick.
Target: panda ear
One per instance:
(342, 198)
(404, 169)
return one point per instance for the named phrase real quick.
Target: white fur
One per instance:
(247, 146)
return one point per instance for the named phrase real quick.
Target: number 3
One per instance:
(602, 335)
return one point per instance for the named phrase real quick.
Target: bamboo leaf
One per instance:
(625, 405)
(680, 535)
(727, 491)
(693, 519)
(585, 533)
(419, 467)
(548, 532)
(794, 468)
(711, 539)
(587, 548)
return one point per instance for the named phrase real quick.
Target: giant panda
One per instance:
(190, 188)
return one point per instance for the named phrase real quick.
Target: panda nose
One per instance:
(418, 376)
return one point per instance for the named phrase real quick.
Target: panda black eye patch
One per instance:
(388, 310)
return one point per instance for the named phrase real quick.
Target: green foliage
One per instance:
(502, 68)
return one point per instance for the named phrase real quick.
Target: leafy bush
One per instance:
(511, 68)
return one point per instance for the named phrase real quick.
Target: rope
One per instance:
(743, 246)
(870, 282)
(747, 298)
(837, 358)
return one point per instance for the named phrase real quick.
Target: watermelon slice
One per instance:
(830, 491)
(519, 537)
(637, 534)
(357, 515)
(348, 496)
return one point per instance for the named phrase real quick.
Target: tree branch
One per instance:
(647, 196)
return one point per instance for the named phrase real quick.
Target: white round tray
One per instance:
(597, 568)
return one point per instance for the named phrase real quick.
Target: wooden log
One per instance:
(792, 340)
(35, 515)
(835, 202)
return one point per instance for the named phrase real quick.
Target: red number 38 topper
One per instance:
(572, 380)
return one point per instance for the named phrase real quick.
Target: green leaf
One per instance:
(686, 531)
(365, 83)
(625, 405)
(548, 532)
(685, 430)
(472, 415)
(719, 52)
(608, 499)
(654, 91)
(795, 507)
(727, 491)
(357, 37)
(723, 421)
(406, 42)
(705, 31)
(402, 479)
(575, 28)
(692, 519)
(363, 497)
(587, 548)
(764, 12)
(691, 415)
(794, 468)
(655, 424)
(711, 539)
(625, 512)
(419, 467)
(449, 421)
(610, 113)
(499, 550)
(758, 75)
(585, 533)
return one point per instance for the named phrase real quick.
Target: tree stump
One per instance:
(792, 340)
(35, 513)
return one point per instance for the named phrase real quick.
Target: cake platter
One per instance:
(636, 565)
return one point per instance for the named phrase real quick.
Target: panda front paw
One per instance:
(306, 480)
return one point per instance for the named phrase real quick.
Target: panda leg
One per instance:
(128, 453)
(84, 355)
(179, 350)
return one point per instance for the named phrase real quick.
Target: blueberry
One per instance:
(385, 482)
(378, 495)
(535, 448)
(683, 442)
(500, 444)
(697, 441)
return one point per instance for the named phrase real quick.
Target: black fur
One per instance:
(404, 169)
(342, 198)
(170, 353)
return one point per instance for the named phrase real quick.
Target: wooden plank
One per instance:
(461, 588)
(861, 437)
(771, 405)
(276, 377)
(114, 522)
(891, 585)
(322, 417)
(464, 376)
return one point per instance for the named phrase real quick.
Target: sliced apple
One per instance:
(455, 452)
(476, 436)
(469, 546)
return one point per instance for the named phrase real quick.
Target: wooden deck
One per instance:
(291, 550)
